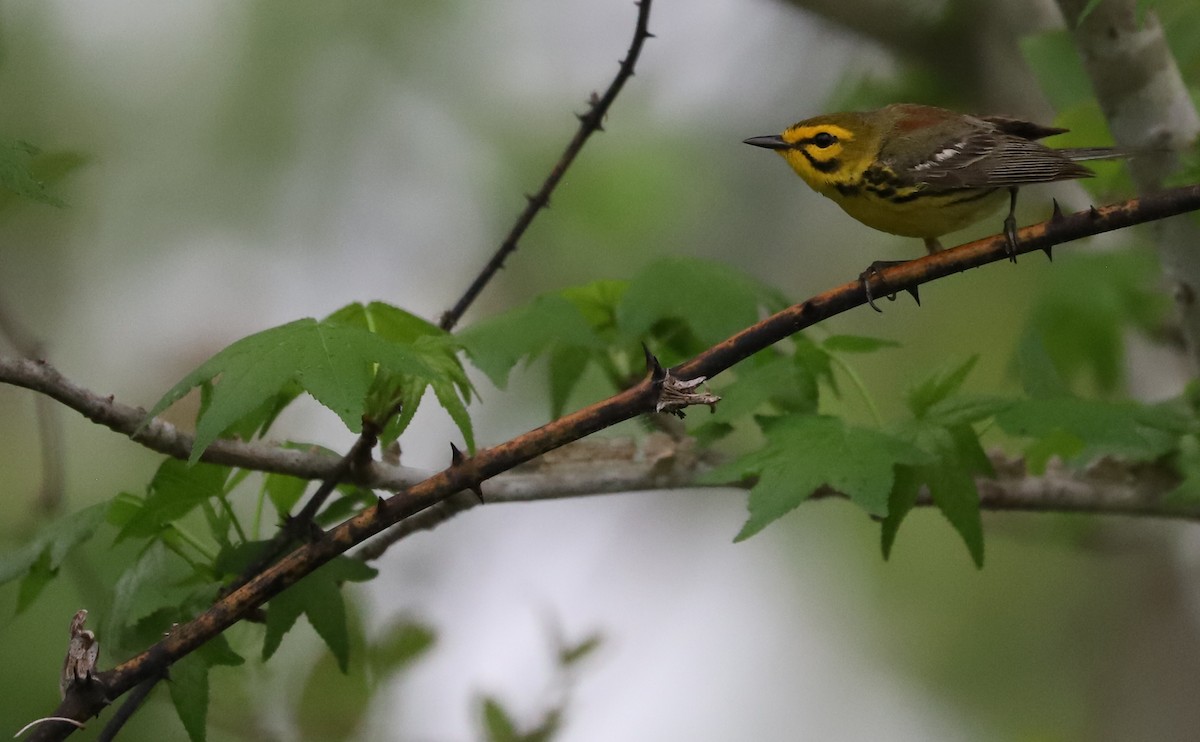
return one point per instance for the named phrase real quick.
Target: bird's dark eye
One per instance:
(824, 139)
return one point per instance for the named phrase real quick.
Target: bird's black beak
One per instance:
(773, 141)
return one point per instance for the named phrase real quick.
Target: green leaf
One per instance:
(147, 585)
(1039, 377)
(39, 575)
(173, 492)
(387, 321)
(401, 644)
(572, 654)
(713, 300)
(284, 491)
(1085, 429)
(189, 693)
(1054, 59)
(318, 597)
(955, 459)
(1083, 314)
(335, 363)
(567, 366)
(856, 344)
(766, 382)
(938, 387)
(901, 501)
(217, 651)
(804, 453)
(17, 176)
(951, 483)
(497, 723)
(966, 409)
(498, 344)
(43, 555)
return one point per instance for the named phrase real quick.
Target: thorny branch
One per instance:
(469, 472)
(589, 123)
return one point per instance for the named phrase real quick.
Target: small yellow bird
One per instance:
(921, 171)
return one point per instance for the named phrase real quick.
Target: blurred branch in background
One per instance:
(969, 49)
(53, 488)
(1149, 109)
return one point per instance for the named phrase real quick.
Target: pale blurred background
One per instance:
(254, 162)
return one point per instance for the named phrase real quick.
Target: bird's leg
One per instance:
(931, 246)
(1010, 225)
(872, 271)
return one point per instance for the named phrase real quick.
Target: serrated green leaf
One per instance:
(387, 321)
(47, 550)
(856, 344)
(498, 344)
(334, 363)
(712, 299)
(955, 459)
(952, 486)
(173, 492)
(804, 453)
(497, 722)
(319, 598)
(901, 500)
(937, 387)
(151, 583)
(188, 684)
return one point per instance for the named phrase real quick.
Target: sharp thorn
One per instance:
(649, 35)
(478, 493)
(1057, 214)
(912, 291)
(456, 456)
(1049, 255)
(657, 373)
(1092, 212)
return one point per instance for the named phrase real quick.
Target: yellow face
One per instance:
(825, 153)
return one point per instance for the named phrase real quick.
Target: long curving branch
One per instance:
(83, 700)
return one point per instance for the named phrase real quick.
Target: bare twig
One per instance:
(132, 703)
(589, 123)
